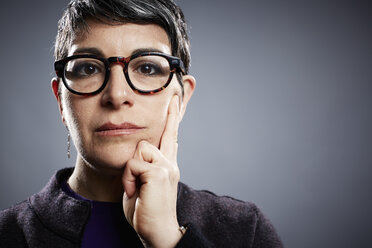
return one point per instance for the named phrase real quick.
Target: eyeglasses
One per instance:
(146, 73)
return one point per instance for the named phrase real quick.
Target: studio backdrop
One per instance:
(281, 115)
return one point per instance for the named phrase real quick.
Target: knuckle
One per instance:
(175, 175)
(129, 164)
(142, 144)
(171, 174)
(163, 173)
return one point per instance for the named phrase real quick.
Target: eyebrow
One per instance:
(98, 52)
(89, 50)
(145, 50)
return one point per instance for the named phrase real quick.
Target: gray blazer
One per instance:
(51, 218)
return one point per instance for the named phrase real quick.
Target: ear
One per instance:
(55, 88)
(188, 89)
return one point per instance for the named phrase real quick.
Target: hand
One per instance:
(150, 181)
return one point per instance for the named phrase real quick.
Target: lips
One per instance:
(110, 129)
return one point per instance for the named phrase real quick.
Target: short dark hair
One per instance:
(164, 13)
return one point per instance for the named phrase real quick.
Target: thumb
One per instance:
(129, 205)
(146, 152)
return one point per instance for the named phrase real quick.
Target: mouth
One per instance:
(110, 129)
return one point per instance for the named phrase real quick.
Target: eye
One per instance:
(86, 69)
(145, 67)
(149, 69)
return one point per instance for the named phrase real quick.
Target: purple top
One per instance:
(107, 225)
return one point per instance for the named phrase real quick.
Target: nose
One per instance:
(117, 92)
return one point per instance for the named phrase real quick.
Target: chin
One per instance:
(110, 163)
(108, 167)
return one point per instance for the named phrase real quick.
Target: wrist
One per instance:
(164, 237)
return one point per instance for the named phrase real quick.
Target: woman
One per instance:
(122, 88)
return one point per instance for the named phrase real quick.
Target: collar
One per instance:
(62, 214)
(67, 216)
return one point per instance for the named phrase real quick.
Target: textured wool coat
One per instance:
(51, 218)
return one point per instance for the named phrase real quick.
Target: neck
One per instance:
(93, 184)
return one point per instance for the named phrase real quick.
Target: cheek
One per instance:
(76, 116)
(68, 110)
(157, 116)
(157, 120)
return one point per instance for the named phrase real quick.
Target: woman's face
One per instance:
(87, 117)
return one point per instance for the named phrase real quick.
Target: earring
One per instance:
(68, 144)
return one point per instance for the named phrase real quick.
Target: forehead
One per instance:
(122, 39)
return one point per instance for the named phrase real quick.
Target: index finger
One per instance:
(169, 139)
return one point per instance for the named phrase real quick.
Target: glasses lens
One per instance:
(85, 75)
(149, 72)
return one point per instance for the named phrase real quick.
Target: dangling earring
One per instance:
(68, 144)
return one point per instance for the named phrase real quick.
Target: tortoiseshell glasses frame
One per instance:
(175, 66)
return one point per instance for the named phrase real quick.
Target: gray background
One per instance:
(281, 115)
